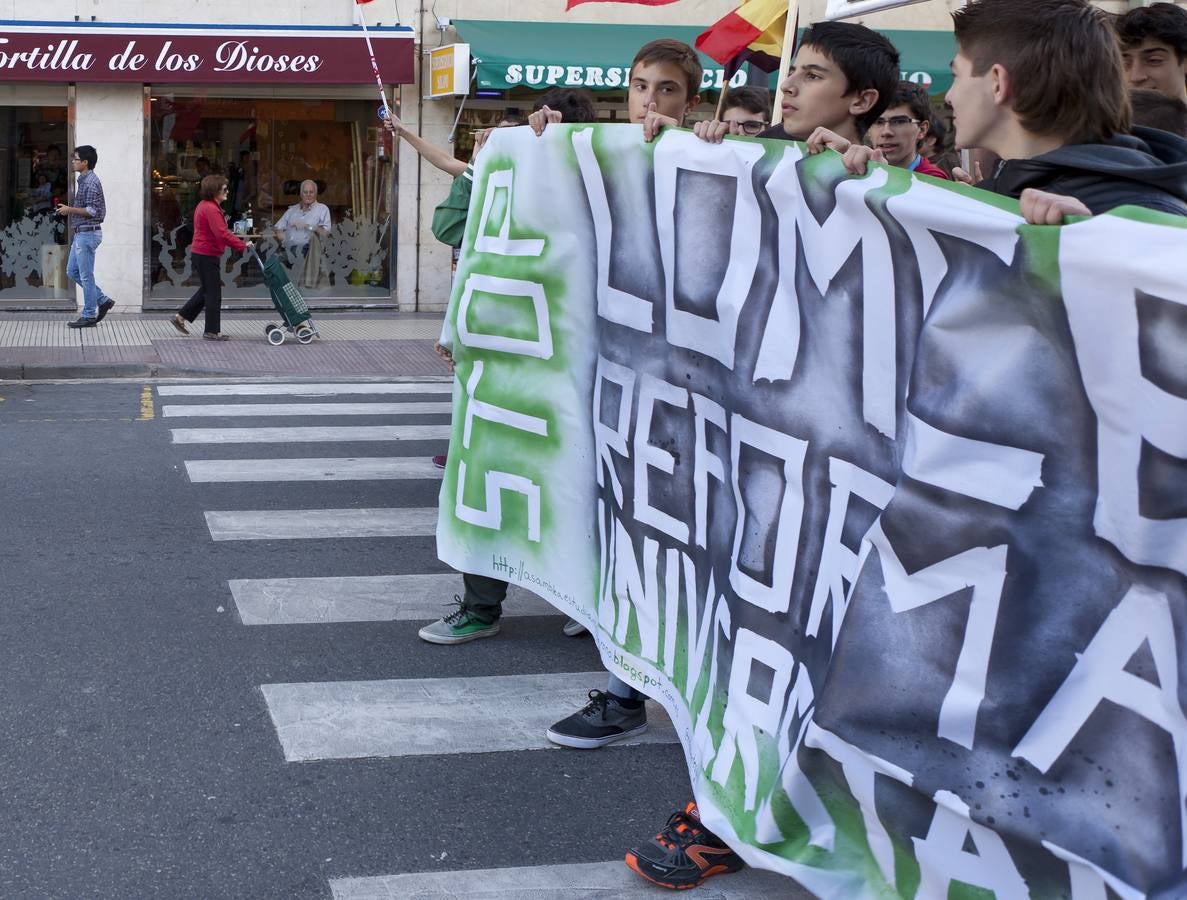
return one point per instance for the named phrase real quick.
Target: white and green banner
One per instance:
(881, 493)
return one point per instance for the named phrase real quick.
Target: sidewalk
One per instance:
(146, 345)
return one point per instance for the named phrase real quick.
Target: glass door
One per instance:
(269, 150)
(33, 178)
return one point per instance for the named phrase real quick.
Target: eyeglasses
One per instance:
(752, 127)
(76, 159)
(895, 122)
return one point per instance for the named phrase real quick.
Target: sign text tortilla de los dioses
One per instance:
(229, 56)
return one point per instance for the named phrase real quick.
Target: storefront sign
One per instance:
(449, 71)
(542, 55)
(205, 54)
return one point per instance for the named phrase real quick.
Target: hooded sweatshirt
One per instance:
(1147, 168)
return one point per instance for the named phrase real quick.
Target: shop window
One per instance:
(33, 177)
(268, 149)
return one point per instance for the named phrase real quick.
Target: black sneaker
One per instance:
(104, 308)
(82, 322)
(600, 722)
(684, 854)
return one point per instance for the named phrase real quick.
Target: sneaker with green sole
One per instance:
(458, 627)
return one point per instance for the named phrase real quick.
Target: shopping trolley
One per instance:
(289, 303)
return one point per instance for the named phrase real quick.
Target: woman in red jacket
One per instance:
(211, 238)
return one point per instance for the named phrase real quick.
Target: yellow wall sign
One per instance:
(449, 71)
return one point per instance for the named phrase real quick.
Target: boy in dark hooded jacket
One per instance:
(1052, 103)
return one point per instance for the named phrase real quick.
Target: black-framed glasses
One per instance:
(76, 159)
(752, 127)
(895, 122)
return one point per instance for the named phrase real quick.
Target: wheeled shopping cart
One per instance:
(289, 303)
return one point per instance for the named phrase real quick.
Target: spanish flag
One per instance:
(751, 33)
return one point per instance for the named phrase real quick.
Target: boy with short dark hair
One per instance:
(841, 79)
(1154, 48)
(748, 107)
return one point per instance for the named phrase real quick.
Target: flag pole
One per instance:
(725, 89)
(371, 52)
(789, 37)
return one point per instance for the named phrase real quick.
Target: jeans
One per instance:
(619, 688)
(209, 296)
(81, 269)
(484, 597)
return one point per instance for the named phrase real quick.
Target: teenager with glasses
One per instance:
(211, 238)
(899, 132)
(749, 107)
(895, 137)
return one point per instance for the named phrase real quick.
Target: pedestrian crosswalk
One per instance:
(370, 468)
(352, 719)
(223, 410)
(306, 435)
(361, 598)
(428, 712)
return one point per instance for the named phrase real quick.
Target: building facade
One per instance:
(273, 94)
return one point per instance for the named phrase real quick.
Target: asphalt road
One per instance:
(140, 759)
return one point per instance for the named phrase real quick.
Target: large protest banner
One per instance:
(881, 493)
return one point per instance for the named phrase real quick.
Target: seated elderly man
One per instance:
(302, 220)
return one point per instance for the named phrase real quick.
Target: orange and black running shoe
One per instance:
(684, 854)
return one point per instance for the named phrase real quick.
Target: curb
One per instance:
(34, 372)
(80, 371)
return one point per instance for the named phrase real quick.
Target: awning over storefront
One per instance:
(202, 54)
(560, 54)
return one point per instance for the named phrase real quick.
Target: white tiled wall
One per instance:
(110, 117)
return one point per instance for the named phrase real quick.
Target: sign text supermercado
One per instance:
(877, 492)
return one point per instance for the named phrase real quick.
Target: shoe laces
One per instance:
(683, 829)
(459, 615)
(598, 701)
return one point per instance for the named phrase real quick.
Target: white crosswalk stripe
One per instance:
(408, 717)
(222, 410)
(376, 598)
(302, 390)
(297, 524)
(312, 434)
(574, 881)
(432, 716)
(330, 469)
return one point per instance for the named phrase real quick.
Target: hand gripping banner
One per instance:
(881, 493)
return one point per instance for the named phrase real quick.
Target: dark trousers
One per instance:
(209, 294)
(484, 597)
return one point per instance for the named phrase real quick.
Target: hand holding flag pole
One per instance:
(759, 32)
(362, 20)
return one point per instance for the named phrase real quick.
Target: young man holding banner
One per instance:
(1066, 139)
(843, 77)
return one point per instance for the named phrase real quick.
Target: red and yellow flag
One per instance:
(751, 33)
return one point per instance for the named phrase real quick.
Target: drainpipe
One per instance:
(420, 125)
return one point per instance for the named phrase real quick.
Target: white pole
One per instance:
(362, 18)
(789, 29)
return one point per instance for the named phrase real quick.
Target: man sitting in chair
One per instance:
(298, 226)
(303, 220)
